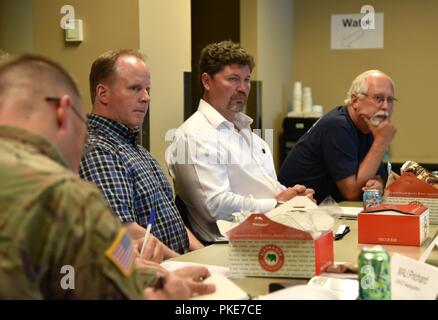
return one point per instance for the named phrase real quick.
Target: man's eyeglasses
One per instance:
(75, 111)
(380, 98)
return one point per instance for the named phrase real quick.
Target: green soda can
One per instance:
(374, 274)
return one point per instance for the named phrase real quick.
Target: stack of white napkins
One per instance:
(318, 288)
(350, 212)
(342, 288)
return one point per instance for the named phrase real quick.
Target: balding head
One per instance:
(120, 84)
(360, 83)
(38, 95)
(105, 67)
(28, 78)
(371, 95)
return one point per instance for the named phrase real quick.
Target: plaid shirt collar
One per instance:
(105, 126)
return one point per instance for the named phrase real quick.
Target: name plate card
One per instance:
(413, 280)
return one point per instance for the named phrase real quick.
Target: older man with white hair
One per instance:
(341, 155)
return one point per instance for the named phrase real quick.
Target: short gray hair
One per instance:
(359, 84)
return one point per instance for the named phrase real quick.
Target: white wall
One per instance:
(165, 38)
(271, 46)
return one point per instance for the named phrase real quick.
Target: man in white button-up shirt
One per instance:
(219, 166)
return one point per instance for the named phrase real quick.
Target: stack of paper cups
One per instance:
(297, 97)
(307, 100)
(318, 110)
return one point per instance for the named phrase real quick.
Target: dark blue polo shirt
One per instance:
(331, 150)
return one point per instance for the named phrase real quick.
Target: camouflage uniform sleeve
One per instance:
(148, 277)
(92, 247)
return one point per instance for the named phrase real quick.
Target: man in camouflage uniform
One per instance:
(58, 237)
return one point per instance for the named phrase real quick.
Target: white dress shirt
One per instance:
(218, 170)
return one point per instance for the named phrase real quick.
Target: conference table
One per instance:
(346, 250)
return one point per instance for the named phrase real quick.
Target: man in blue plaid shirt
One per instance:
(130, 179)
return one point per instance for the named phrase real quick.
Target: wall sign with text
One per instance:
(357, 31)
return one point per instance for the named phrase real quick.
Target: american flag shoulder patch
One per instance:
(121, 253)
